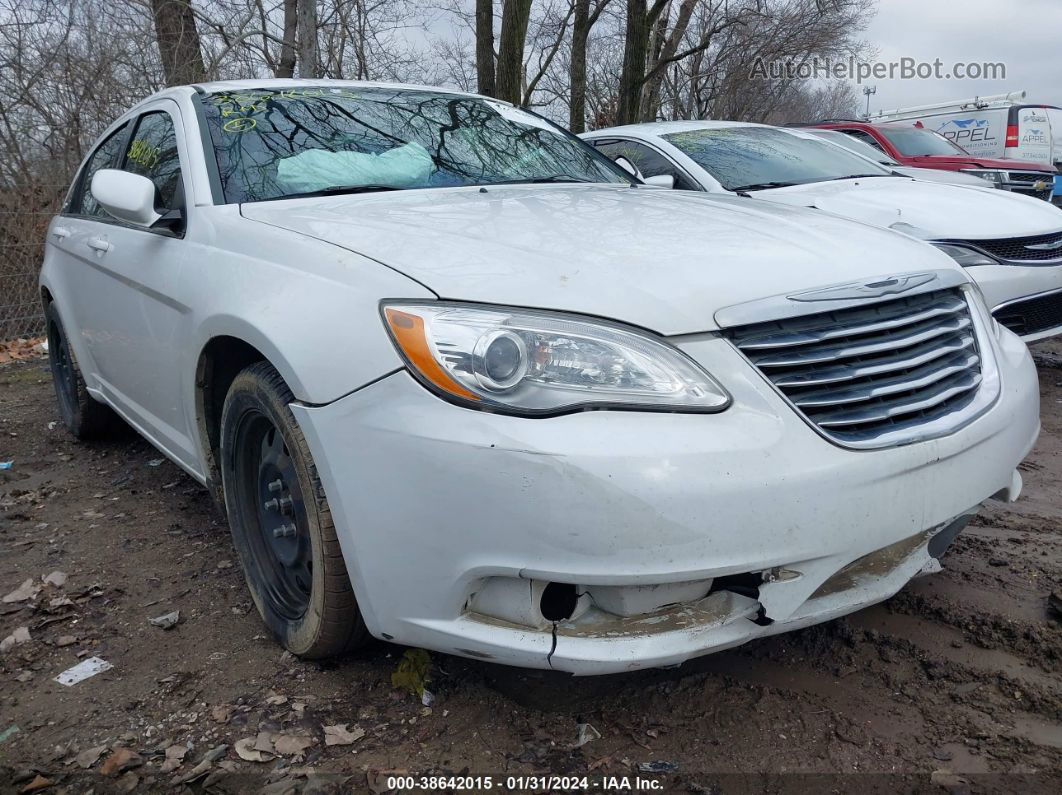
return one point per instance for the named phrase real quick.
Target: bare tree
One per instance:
(587, 14)
(309, 58)
(515, 16)
(286, 67)
(182, 57)
(485, 47)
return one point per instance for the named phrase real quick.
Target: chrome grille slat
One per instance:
(911, 335)
(881, 370)
(924, 376)
(906, 358)
(926, 399)
(821, 334)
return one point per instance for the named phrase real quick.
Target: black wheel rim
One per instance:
(273, 516)
(63, 374)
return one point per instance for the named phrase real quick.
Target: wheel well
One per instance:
(46, 297)
(220, 362)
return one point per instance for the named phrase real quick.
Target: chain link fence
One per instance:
(24, 217)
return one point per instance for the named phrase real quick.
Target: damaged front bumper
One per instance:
(607, 541)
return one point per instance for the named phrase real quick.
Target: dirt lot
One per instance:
(954, 683)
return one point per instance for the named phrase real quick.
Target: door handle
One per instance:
(60, 233)
(98, 244)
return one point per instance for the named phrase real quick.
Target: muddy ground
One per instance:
(953, 685)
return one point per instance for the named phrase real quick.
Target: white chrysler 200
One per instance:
(458, 382)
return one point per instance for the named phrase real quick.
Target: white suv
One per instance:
(460, 383)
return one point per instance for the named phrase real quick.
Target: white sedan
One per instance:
(1011, 244)
(459, 382)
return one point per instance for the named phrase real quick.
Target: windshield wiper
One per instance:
(856, 176)
(337, 190)
(550, 178)
(763, 186)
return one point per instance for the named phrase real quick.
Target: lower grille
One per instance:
(1016, 249)
(1032, 315)
(866, 373)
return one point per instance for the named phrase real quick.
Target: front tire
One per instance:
(281, 524)
(82, 414)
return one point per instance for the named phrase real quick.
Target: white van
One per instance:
(1002, 126)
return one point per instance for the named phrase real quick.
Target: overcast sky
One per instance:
(1026, 35)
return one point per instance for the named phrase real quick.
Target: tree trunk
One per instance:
(515, 15)
(485, 47)
(635, 45)
(577, 70)
(182, 58)
(286, 68)
(309, 62)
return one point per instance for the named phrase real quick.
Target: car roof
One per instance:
(280, 83)
(666, 127)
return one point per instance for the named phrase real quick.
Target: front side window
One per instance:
(152, 153)
(278, 144)
(919, 142)
(647, 160)
(752, 158)
(105, 156)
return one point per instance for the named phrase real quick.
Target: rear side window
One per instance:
(105, 156)
(866, 138)
(152, 153)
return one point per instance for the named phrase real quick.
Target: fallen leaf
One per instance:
(221, 713)
(264, 742)
(56, 578)
(338, 734)
(275, 700)
(90, 756)
(174, 758)
(39, 782)
(291, 744)
(16, 638)
(27, 590)
(119, 761)
(65, 640)
(245, 750)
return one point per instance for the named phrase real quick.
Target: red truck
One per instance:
(921, 148)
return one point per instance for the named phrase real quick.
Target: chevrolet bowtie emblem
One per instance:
(890, 285)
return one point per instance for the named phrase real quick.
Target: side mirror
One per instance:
(661, 181)
(628, 166)
(128, 197)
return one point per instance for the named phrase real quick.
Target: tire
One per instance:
(83, 415)
(281, 524)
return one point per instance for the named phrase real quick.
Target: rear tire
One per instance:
(83, 415)
(281, 524)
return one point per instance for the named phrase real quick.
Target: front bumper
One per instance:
(433, 501)
(1007, 287)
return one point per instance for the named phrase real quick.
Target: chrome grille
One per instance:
(879, 372)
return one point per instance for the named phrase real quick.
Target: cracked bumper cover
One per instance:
(431, 500)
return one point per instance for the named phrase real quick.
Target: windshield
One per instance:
(854, 145)
(918, 142)
(280, 143)
(750, 158)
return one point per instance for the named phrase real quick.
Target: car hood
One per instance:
(947, 177)
(972, 161)
(664, 260)
(944, 211)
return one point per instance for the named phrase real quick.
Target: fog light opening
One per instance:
(558, 601)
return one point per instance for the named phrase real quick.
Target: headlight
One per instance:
(995, 177)
(536, 363)
(965, 256)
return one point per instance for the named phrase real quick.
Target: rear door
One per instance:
(131, 276)
(1034, 135)
(67, 245)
